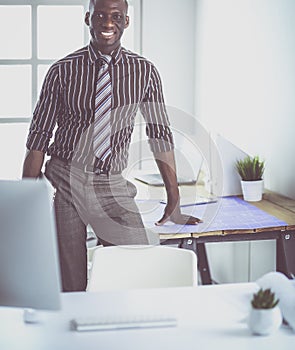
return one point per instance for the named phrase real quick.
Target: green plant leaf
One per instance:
(250, 169)
(264, 299)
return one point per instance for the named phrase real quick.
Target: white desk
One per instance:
(209, 317)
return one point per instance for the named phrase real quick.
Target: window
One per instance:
(33, 34)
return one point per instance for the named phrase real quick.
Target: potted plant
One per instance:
(251, 170)
(265, 315)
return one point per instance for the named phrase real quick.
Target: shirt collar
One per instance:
(95, 54)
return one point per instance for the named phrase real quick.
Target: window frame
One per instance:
(34, 61)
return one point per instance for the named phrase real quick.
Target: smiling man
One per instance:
(107, 21)
(90, 98)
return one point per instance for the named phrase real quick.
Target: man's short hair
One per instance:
(92, 1)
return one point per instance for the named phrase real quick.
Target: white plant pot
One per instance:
(252, 190)
(264, 321)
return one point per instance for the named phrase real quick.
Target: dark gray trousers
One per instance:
(105, 202)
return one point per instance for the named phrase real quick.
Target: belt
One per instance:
(87, 168)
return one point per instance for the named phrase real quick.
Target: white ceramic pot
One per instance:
(264, 321)
(252, 190)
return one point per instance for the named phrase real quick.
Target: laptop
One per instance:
(188, 164)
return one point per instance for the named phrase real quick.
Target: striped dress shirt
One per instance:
(66, 108)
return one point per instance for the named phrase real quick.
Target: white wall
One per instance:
(231, 63)
(245, 80)
(168, 40)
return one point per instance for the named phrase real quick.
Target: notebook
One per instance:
(197, 200)
(156, 180)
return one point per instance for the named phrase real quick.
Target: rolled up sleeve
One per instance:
(154, 112)
(46, 112)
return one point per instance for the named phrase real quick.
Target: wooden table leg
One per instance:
(200, 251)
(286, 253)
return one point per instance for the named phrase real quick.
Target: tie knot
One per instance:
(105, 60)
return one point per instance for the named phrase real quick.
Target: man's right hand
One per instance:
(33, 164)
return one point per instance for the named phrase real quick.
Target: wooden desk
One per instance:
(276, 205)
(279, 206)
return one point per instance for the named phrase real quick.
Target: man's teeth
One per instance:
(108, 34)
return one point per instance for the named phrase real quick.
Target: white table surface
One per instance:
(209, 317)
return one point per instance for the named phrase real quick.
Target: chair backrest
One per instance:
(128, 267)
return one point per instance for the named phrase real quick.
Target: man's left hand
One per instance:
(166, 165)
(173, 213)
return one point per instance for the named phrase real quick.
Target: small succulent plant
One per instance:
(264, 299)
(250, 169)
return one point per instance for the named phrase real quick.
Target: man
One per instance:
(92, 95)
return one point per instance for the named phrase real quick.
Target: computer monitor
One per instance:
(29, 266)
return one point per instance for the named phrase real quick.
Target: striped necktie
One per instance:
(102, 114)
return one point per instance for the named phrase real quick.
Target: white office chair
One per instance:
(127, 267)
